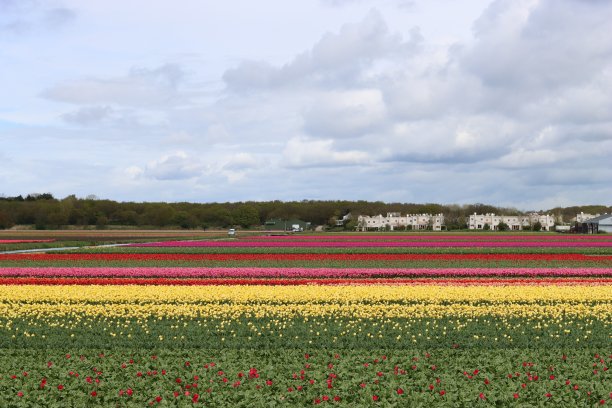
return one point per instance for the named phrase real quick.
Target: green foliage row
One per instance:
(268, 333)
(312, 264)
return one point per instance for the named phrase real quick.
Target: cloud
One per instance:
(534, 46)
(31, 16)
(453, 139)
(401, 4)
(345, 113)
(88, 115)
(519, 113)
(302, 153)
(142, 87)
(334, 59)
(58, 17)
(243, 161)
(176, 166)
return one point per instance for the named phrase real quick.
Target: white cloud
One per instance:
(89, 115)
(345, 113)
(141, 88)
(242, 161)
(301, 152)
(335, 59)
(134, 172)
(30, 16)
(534, 46)
(176, 166)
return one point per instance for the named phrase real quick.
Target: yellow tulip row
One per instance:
(258, 310)
(304, 293)
(135, 302)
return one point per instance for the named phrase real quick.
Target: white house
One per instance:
(514, 222)
(582, 217)
(395, 220)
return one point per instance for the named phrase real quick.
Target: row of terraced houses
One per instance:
(395, 221)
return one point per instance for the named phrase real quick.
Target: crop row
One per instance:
(260, 301)
(377, 294)
(303, 257)
(24, 241)
(255, 272)
(431, 237)
(504, 264)
(339, 377)
(349, 250)
(304, 281)
(376, 244)
(81, 328)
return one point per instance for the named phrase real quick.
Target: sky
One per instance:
(505, 102)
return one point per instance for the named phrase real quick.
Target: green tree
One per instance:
(246, 216)
(185, 220)
(101, 222)
(537, 226)
(502, 226)
(486, 227)
(5, 220)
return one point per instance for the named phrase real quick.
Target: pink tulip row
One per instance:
(432, 237)
(298, 272)
(352, 244)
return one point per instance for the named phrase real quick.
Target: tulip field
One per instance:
(341, 320)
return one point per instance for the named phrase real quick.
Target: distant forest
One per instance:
(44, 211)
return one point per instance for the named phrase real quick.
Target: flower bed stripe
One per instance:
(300, 257)
(183, 296)
(354, 301)
(429, 237)
(301, 281)
(25, 241)
(150, 272)
(375, 244)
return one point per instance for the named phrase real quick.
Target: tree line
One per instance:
(45, 211)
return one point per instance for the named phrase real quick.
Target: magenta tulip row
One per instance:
(432, 237)
(351, 244)
(299, 272)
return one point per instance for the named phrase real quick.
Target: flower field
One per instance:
(346, 320)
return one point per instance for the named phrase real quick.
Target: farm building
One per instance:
(594, 225)
(277, 224)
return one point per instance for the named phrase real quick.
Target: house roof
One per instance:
(597, 219)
